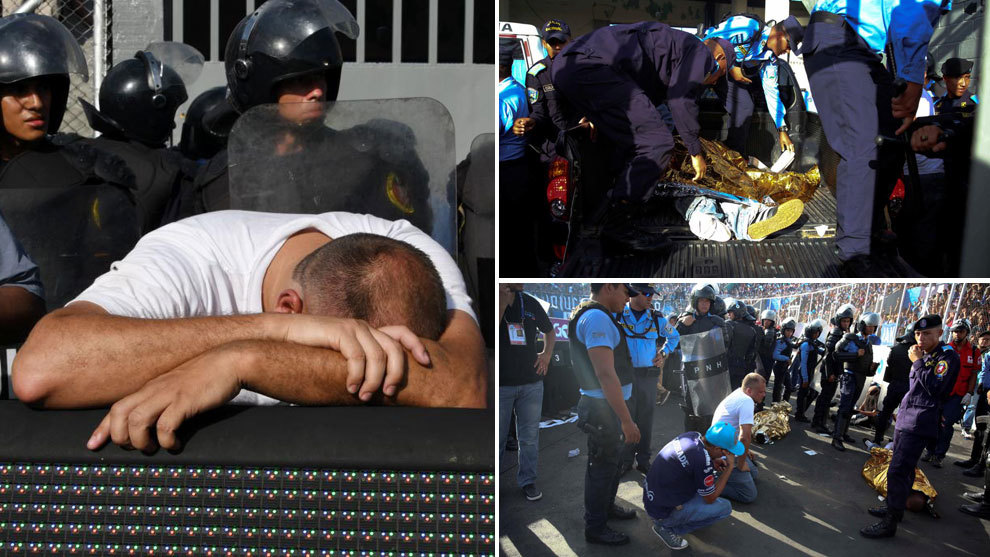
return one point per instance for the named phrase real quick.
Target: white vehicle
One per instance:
(532, 47)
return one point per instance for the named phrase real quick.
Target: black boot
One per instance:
(880, 511)
(975, 453)
(886, 528)
(981, 510)
(845, 432)
(840, 426)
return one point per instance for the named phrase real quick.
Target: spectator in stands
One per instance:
(520, 379)
(228, 300)
(737, 410)
(22, 298)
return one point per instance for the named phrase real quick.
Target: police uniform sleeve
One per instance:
(771, 91)
(537, 100)
(805, 350)
(778, 350)
(845, 349)
(673, 337)
(688, 74)
(16, 268)
(595, 328)
(909, 31)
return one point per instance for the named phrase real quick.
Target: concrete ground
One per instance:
(807, 504)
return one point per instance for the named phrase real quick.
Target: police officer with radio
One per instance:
(603, 368)
(757, 47)
(934, 368)
(741, 351)
(841, 323)
(855, 353)
(841, 48)
(896, 375)
(643, 328)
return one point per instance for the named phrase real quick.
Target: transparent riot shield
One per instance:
(73, 234)
(705, 369)
(392, 158)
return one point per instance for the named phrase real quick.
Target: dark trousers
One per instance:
(736, 374)
(766, 362)
(850, 387)
(802, 400)
(605, 449)
(895, 393)
(781, 379)
(903, 461)
(641, 405)
(980, 444)
(625, 115)
(951, 414)
(921, 235)
(852, 91)
(824, 400)
(517, 238)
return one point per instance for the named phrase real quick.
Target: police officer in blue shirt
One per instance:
(855, 353)
(841, 47)
(933, 374)
(604, 372)
(616, 76)
(757, 48)
(782, 349)
(644, 328)
(517, 250)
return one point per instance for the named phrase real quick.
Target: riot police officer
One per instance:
(810, 351)
(896, 375)
(933, 373)
(782, 349)
(701, 318)
(768, 321)
(741, 350)
(751, 315)
(841, 323)
(855, 352)
(138, 100)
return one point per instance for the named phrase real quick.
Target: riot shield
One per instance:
(392, 158)
(705, 369)
(73, 234)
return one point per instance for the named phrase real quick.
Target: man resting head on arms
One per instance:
(212, 304)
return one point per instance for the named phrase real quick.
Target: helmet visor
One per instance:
(33, 45)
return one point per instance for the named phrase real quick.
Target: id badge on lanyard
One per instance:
(517, 333)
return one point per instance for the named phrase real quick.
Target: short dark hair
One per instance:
(378, 279)
(983, 334)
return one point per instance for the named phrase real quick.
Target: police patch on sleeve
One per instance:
(533, 94)
(941, 368)
(709, 480)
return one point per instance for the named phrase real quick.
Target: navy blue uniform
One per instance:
(852, 91)
(616, 76)
(931, 381)
(857, 369)
(544, 108)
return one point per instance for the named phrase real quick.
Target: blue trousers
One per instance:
(527, 402)
(696, 514)
(625, 115)
(741, 486)
(850, 387)
(852, 91)
(903, 461)
(605, 451)
(951, 412)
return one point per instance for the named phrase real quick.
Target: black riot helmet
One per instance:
(204, 137)
(750, 313)
(33, 45)
(738, 307)
(908, 336)
(718, 307)
(138, 100)
(281, 40)
(706, 291)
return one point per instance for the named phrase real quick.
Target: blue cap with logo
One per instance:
(723, 435)
(555, 29)
(928, 322)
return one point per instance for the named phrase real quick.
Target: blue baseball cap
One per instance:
(555, 29)
(724, 436)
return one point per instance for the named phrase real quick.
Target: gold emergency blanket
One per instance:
(728, 172)
(773, 422)
(875, 474)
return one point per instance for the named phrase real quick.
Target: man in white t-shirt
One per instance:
(737, 411)
(216, 303)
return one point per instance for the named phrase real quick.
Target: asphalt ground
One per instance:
(807, 504)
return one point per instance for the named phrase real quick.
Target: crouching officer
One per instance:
(603, 368)
(933, 374)
(855, 350)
